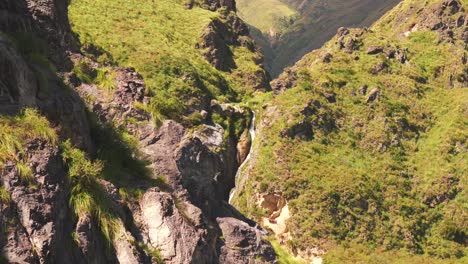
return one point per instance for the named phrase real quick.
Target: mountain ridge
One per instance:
(307, 26)
(346, 142)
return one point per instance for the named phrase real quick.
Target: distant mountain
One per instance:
(288, 29)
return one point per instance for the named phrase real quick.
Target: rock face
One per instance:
(241, 242)
(218, 36)
(37, 221)
(174, 228)
(186, 219)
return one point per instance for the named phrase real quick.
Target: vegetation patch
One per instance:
(159, 39)
(386, 172)
(15, 131)
(87, 197)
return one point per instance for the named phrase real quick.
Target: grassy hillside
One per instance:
(159, 39)
(265, 15)
(292, 28)
(368, 144)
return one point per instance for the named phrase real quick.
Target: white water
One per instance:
(252, 138)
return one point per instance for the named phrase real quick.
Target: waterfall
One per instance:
(252, 138)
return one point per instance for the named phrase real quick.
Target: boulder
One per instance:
(372, 50)
(373, 95)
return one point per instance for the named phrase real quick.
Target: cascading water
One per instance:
(252, 138)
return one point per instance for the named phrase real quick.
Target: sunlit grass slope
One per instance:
(375, 182)
(159, 39)
(265, 15)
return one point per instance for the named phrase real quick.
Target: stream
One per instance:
(239, 170)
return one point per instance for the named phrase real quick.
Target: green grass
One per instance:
(5, 197)
(154, 253)
(159, 39)
(299, 26)
(358, 254)
(25, 172)
(265, 14)
(15, 131)
(104, 78)
(87, 196)
(387, 175)
(284, 257)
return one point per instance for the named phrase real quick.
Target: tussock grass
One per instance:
(15, 131)
(87, 197)
(104, 78)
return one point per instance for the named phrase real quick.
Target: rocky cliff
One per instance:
(90, 177)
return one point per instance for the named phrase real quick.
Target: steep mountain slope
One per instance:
(288, 29)
(166, 41)
(91, 170)
(362, 152)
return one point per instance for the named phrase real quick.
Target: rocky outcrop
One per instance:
(448, 18)
(241, 242)
(219, 35)
(174, 227)
(184, 219)
(18, 83)
(180, 220)
(373, 95)
(37, 220)
(48, 19)
(286, 80)
(215, 44)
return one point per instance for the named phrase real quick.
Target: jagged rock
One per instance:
(243, 147)
(214, 42)
(181, 223)
(89, 241)
(174, 232)
(451, 6)
(49, 18)
(20, 83)
(379, 68)
(301, 130)
(41, 213)
(331, 97)
(311, 108)
(231, 30)
(400, 56)
(372, 50)
(14, 242)
(327, 58)
(342, 31)
(351, 45)
(373, 95)
(440, 17)
(214, 5)
(285, 81)
(363, 89)
(243, 243)
(17, 82)
(273, 203)
(201, 170)
(125, 249)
